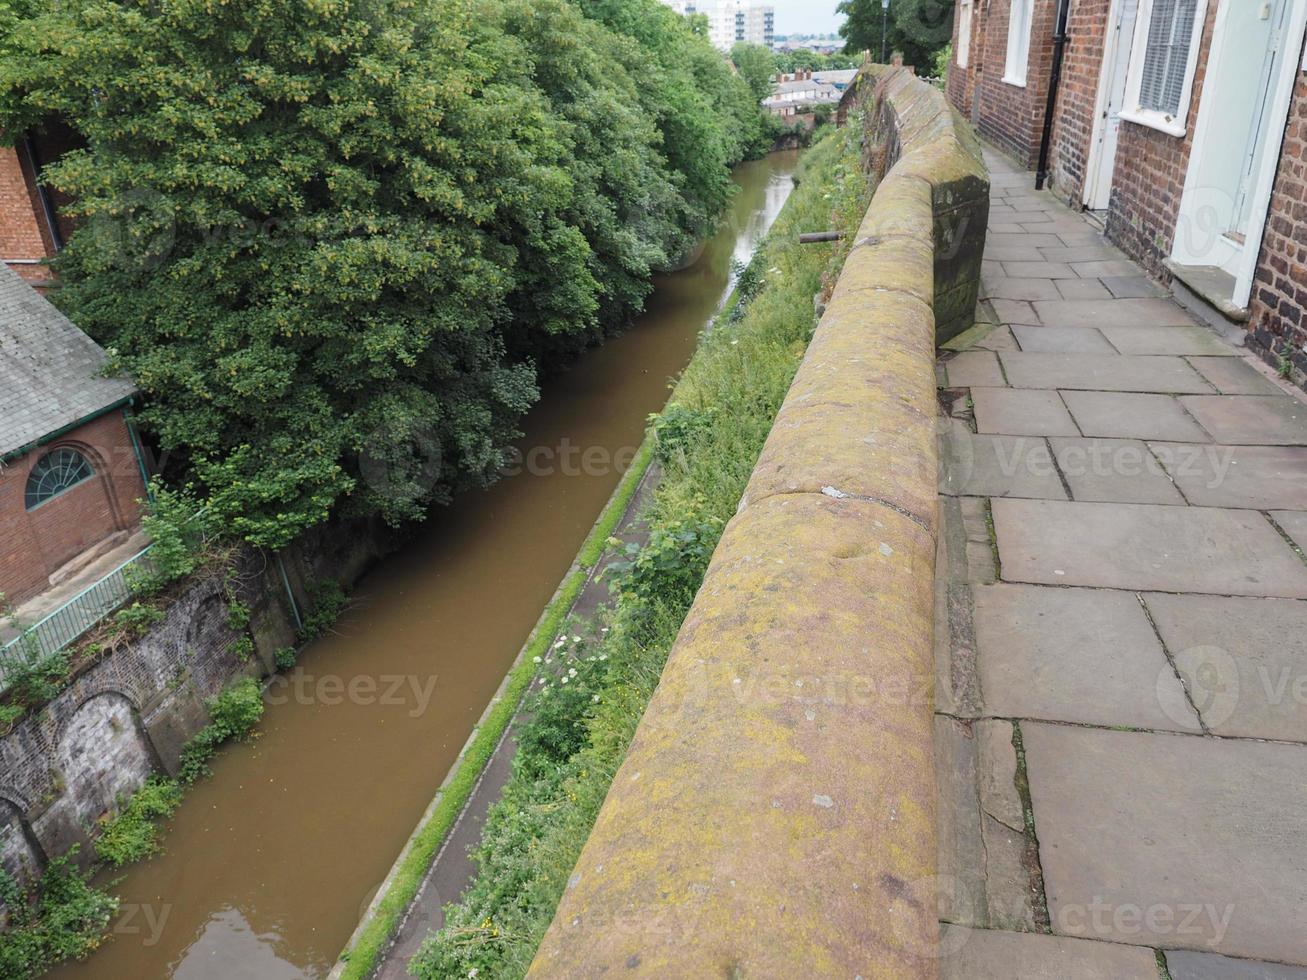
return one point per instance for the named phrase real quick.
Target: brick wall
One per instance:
(1276, 321)
(39, 541)
(22, 236)
(1009, 116)
(1149, 178)
(960, 84)
(1073, 119)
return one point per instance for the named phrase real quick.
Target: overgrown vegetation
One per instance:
(327, 600)
(60, 917)
(335, 244)
(232, 716)
(596, 680)
(133, 835)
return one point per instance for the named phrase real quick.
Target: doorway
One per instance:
(1254, 57)
(1111, 95)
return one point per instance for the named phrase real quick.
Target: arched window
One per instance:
(54, 473)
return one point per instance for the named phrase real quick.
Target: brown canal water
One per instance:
(270, 863)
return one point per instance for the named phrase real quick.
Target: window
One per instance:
(1162, 64)
(964, 33)
(54, 473)
(1018, 42)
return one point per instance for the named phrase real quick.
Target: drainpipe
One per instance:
(1054, 77)
(136, 448)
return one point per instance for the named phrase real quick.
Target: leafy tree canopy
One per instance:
(333, 240)
(916, 28)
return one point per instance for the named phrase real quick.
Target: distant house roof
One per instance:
(50, 372)
(835, 76)
(803, 92)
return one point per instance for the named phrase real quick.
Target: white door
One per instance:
(1273, 15)
(1107, 128)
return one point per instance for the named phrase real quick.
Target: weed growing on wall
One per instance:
(133, 834)
(595, 683)
(233, 715)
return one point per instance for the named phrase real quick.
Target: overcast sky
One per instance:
(806, 16)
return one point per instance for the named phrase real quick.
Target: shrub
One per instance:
(232, 715)
(32, 682)
(283, 658)
(135, 619)
(676, 430)
(326, 602)
(132, 834)
(177, 527)
(670, 566)
(60, 917)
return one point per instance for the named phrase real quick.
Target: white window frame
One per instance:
(964, 33)
(1176, 125)
(1018, 43)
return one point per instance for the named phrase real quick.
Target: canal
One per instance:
(270, 863)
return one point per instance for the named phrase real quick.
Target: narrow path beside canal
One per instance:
(270, 863)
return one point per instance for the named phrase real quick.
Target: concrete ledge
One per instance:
(775, 815)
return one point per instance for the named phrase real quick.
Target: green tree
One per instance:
(333, 242)
(916, 28)
(756, 65)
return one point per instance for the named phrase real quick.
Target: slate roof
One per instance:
(49, 370)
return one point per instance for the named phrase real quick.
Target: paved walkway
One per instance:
(1122, 636)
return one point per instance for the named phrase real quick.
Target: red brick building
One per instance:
(1182, 123)
(71, 471)
(32, 229)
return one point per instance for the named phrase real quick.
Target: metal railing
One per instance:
(72, 619)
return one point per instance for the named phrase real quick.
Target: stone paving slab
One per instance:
(973, 369)
(1078, 655)
(1081, 253)
(1020, 239)
(983, 465)
(1039, 270)
(1078, 289)
(1110, 312)
(1178, 841)
(1294, 524)
(1133, 286)
(1168, 340)
(1114, 471)
(1185, 964)
(1255, 477)
(998, 339)
(1011, 311)
(1244, 661)
(1102, 372)
(1007, 287)
(988, 954)
(1132, 416)
(1109, 267)
(1145, 547)
(1233, 375)
(982, 842)
(1029, 412)
(1062, 340)
(1257, 420)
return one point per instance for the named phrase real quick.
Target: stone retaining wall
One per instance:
(64, 767)
(775, 815)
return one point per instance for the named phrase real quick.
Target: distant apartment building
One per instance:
(732, 21)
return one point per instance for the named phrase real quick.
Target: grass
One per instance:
(595, 681)
(402, 886)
